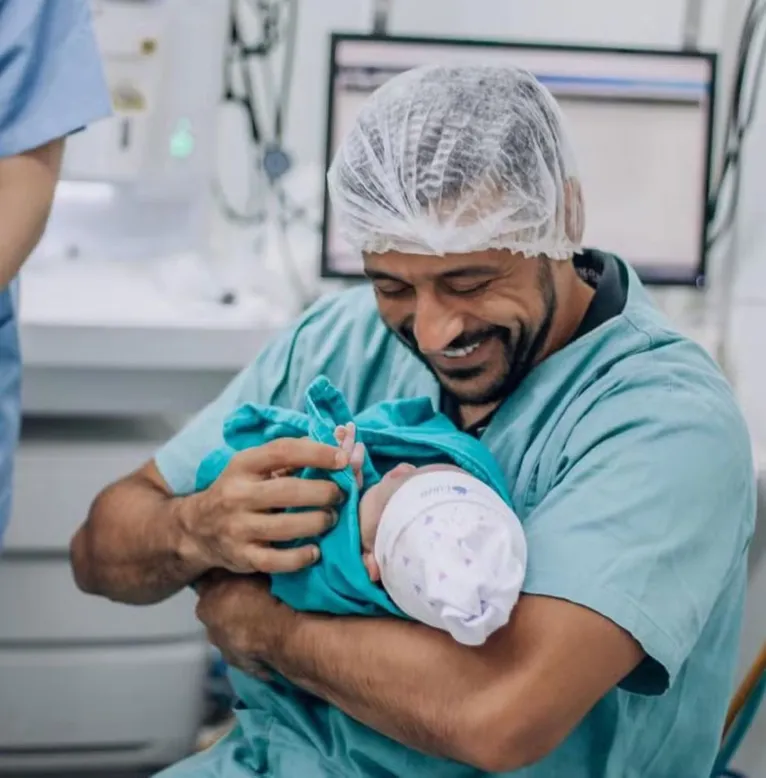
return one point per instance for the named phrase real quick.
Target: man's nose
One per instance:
(436, 324)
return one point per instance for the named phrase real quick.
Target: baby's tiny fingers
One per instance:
(356, 460)
(348, 438)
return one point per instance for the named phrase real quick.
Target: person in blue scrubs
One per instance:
(623, 448)
(51, 84)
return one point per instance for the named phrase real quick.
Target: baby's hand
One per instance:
(345, 435)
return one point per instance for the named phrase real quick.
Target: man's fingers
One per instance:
(292, 493)
(279, 527)
(281, 560)
(209, 580)
(291, 453)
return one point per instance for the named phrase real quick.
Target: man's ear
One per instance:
(574, 211)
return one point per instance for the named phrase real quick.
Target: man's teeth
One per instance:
(454, 353)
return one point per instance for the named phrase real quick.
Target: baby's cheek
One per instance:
(367, 527)
(369, 518)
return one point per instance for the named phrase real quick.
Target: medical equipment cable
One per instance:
(278, 27)
(285, 216)
(740, 118)
(288, 69)
(247, 104)
(740, 727)
(725, 195)
(284, 245)
(238, 61)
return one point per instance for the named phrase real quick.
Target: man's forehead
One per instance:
(394, 264)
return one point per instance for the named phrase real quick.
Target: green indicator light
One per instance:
(182, 140)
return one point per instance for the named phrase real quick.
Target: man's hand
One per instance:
(141, 544)
(497, 707)
(242, 619)
(233, 523)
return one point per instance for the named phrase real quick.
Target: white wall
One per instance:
(651, 22)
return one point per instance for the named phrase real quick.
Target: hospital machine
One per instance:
(84, 682)
(641, 122)
(135, 185)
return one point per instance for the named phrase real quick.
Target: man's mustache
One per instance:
(464, 340)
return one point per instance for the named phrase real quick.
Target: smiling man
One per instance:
(626, 457)
(482, 321)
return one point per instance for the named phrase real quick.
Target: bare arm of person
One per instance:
(27, 184)
(140, 544)
(497, 707)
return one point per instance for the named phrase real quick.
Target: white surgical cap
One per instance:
(458, 159)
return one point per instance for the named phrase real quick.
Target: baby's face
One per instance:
(374, 501)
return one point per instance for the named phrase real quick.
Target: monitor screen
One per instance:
(640, 122)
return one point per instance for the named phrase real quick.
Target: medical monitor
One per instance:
(640, 120)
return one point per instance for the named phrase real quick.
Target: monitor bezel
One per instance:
(698, 280)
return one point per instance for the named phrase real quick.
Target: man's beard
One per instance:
(522, 346)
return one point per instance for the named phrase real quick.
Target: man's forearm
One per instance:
(426, 691)
(130, 549)
(27, 184)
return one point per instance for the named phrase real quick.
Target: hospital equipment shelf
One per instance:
(110, 356)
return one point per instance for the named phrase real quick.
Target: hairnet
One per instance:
(457, 159)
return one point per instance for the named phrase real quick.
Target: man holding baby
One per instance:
(624, 455)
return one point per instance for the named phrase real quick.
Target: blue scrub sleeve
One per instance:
(51, 77)
(649, 515)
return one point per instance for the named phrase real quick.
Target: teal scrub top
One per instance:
(629, 464)
(51, 84)
(408, 430)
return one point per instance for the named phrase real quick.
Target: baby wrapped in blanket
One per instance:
(426, 532)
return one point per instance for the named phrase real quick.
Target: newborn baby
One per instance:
(446, 548)
(437, 543)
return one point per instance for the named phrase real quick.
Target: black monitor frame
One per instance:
(698, 279)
